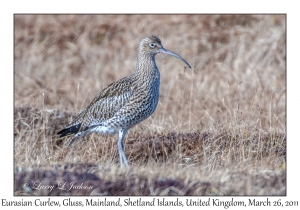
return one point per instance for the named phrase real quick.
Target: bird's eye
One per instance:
(152, 45)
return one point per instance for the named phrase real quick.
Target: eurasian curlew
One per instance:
(126, 102)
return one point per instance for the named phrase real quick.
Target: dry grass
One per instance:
(219, 129)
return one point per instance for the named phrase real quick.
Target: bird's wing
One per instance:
(105, 105)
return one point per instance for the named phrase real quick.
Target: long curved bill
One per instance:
(163, 50)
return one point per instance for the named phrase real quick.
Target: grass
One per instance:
(219, 129)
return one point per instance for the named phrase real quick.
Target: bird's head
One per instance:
(151, 45)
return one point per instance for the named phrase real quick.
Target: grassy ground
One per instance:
(219, 129)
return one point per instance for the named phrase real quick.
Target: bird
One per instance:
(124, 103)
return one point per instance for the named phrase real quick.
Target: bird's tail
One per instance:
(74, 129)
(69, 130)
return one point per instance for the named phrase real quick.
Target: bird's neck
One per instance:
(146, 76)
(146, 65)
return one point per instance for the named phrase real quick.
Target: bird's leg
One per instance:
(122, 155)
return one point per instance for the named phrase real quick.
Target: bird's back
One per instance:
(102, 108)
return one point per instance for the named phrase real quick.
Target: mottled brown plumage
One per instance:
(125, 102)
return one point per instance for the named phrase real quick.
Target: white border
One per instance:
(112, 6)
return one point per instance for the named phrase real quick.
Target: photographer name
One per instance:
(60, 185)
